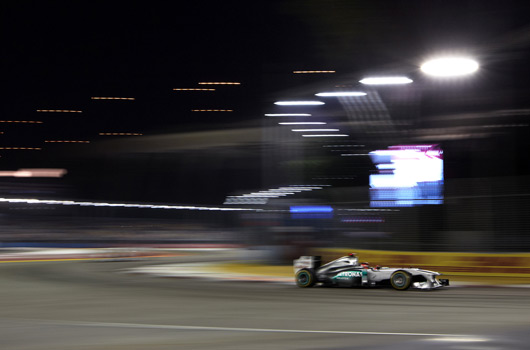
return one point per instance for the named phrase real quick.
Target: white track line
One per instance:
(237, 329)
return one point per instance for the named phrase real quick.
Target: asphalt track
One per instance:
(95, 305)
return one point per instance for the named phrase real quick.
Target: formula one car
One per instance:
(348, 272)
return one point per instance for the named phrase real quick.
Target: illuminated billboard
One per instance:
(407, 175)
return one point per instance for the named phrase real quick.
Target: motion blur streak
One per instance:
(312, 71)
(339, 146)
(219, 83)
(288, 115)
(462, 339)
(243, 329)
(59, 110)
(299, 103)
(212, 110)
(192, 89)
(340, 93)
(66, 141)
(385, 81)
(262, 197)
(302, 123)
(103, 204)
(22, 121)
(326, 135)
(302, 130)
(22, 148)
(34, 173)
(114, 98)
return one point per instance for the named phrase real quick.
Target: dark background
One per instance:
(58, 54)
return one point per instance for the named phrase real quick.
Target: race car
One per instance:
(346, 271)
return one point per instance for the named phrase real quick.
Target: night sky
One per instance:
(56, 55)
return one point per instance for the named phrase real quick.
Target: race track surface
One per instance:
(95, 305)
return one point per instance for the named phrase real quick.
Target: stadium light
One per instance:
(288, 115)
(298, 103)
(385, 81)
(326, 135)
(341, 94)
(302, 123)
(319, 130)
(449, 66)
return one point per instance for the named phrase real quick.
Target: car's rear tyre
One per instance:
(400, 280)
(305, 278)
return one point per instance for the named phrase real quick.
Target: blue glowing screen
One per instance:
(407, 175)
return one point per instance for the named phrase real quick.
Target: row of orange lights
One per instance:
(61, 141)
(19, 148)
(212, 110)
(193, 89)
(219, 83)
(59, 110)
(109, 133)
(101, 133)
(21, 121)
(312, 71)
(65, 141)
(132, 98)
(113, 98)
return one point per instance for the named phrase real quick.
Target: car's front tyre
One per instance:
(305, 278)
(401, 280)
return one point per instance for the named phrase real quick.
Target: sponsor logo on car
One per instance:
(348, 274)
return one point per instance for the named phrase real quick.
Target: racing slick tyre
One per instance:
(305, 278)
(400, 280)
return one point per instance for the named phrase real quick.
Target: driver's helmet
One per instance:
(353, 259)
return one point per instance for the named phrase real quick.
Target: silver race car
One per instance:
(348, 272)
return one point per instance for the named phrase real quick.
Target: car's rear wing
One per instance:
(307, 262)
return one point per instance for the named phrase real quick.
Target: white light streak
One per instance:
(66, 141)
(225, 330)
(450, 66)
(262, 197)
(192, 89)
(357, 209)
(385, 81)
(302, 123)
(114, 98)
(299, 103)
(343, 146)
(326, 135)
(219, 83)
(34, 173)
(288, 115)
(312, 71)
(461, 339)
(310, 130)
(59, 110)
(124, 205)
(212, 110)
(21, 148)
(340, 94)
(22, 121)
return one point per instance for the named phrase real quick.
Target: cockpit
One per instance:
(349, 260)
